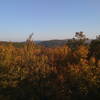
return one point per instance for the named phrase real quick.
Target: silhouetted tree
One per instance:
(79, 39)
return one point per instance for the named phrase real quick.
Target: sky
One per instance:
(48, 19)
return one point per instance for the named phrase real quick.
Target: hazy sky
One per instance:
(48, 19)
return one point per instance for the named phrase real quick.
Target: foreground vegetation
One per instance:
(69, 72)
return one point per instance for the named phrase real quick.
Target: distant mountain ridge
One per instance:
(53, 43)
(47, 43)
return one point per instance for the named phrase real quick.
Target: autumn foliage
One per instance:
(34, 72)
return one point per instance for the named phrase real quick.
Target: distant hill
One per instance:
(52, 43)
(55, 43)
(49, 43)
